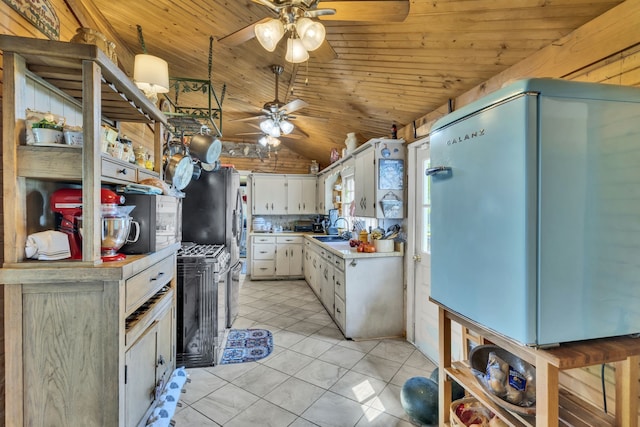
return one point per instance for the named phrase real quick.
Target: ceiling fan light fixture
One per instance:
(286, 127)
(268, 140)
(275, 131)
(267, 126)
(311, 33)
(269, 33)
(296, 52)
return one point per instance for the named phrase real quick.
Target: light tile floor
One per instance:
(313, 377)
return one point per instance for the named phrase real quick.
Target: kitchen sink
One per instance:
(331, 238)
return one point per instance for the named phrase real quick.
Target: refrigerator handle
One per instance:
(436, 170)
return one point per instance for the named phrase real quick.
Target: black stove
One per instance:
(211, 253)
(201, 315)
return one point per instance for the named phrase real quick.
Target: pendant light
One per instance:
(150, 73)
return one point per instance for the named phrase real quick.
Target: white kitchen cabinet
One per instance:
(379, 179)
(326, 280)
(321, 203)
(364, 193)
(268, 194)
(301, 194)
(79, 328)
(363, 294)
(263, 257)
(289, 261)
(373, 297)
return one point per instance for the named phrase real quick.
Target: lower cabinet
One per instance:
(277, 257)
(373, 297)
(78, 355)
(263, 257)
(289, 256)
(148, 366)
(326, 281)
(364, 295)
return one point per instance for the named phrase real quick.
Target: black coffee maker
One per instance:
(319, 223)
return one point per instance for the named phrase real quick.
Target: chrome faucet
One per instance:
(335, 224)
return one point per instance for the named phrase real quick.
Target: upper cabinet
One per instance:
(84, 76)
(301, 194)
(273, 194)
(364, 188)
(380, 179)
(268, 194)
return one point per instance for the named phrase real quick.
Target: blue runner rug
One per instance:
(247, 345)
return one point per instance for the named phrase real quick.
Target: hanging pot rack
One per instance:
(189, 120)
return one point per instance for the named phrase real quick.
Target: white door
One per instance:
(423, 314)
(425, 322)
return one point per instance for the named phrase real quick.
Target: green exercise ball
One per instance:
(419, 398)
(457, 391)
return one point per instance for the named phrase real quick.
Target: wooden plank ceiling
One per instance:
(383, 72)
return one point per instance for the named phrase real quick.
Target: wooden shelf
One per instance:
(554, 406)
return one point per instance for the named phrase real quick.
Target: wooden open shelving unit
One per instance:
(554, 406)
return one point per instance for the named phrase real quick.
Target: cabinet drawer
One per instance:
(263, 268)
(143, 285)
(338, 263)
(290, 239)
(339, 312)
(146, 173)
(339, 282)
(118, 170)
(264, 251)
(263, 239)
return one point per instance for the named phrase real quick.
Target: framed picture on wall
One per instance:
(390, 174)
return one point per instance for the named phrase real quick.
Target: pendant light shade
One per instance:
(296, 51)
(269, 34)
(311, 33)
(267, 125)
(286, 127)
(151, 74)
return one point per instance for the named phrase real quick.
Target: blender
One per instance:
(115, 221)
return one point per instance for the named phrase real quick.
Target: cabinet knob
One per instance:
(122, 171)
(161, 360)
(338, 310)
(417, 258)
(266, 206)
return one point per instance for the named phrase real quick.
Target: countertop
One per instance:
(341, 249)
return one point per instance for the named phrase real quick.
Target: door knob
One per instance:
(417, 258)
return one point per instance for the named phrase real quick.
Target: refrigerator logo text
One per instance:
(466, 137)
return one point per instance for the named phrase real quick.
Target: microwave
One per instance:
(160, 219)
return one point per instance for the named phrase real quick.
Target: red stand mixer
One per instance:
(67, 202)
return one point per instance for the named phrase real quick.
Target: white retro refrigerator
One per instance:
(535, 221)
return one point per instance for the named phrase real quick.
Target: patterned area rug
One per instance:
(247, 345)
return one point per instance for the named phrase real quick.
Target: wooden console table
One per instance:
(554, 407)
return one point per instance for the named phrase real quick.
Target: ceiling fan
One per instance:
(295, 17)
(275, 120)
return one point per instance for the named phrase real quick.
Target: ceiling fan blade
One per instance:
(250, 133)
(242, 35)
(324, 53)
(363, 10)
(267, 3)
(294, 105)
(247, 119)
(319, 12)
(317, 120)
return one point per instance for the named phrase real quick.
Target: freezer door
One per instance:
(483, 217)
